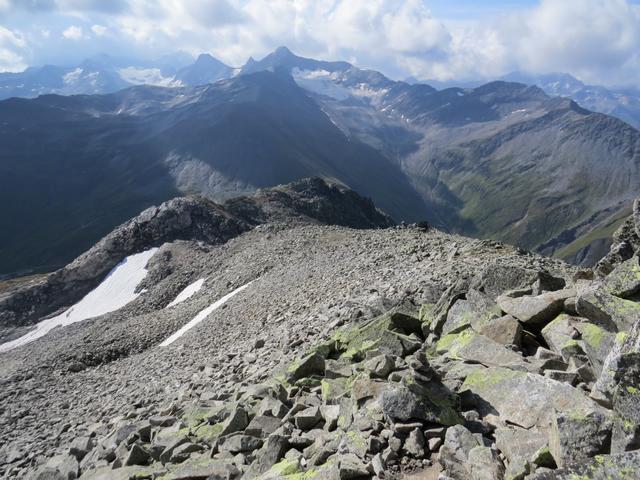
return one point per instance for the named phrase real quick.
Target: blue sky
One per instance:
(595, 40)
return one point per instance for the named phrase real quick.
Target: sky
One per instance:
(598, 41)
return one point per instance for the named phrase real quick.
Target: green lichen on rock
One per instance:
(490, 377)
(290, 470)
(452, 343)
(592, 335)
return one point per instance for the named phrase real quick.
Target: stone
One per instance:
(434, 444)
(561, 376)
(80, 446)
(137, 456)
(312, 364)
(607, 311)
(505, 330)
(415, 443)
(621, 466)
(351, 467)
(475, 310)
(560, 331)
(271, 453)
(624, 280)
(307, 418)
(509, 394)
(205, 468)
(379, 366)
(167, 453)
(331, 414)
(485, 464)
(240, 443)
(536, 310)
(476, 348)
(237, 421)
(576, 438)
(519, 443)
(262, 426)
(184, 451)
(400, 403)
(64, 467)
(454, 454)
(626, 404)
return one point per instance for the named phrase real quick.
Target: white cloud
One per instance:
(73, 33)
(11, 44)
(99, 30)
(596, 40)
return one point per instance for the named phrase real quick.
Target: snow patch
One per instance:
(145, 76)
(72, 76)
(116, 290)
(321, 82)
(187, 293)
(202, 315)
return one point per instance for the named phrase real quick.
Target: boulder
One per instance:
(626, 404)
(525, 399)
(624, 280)
(575, 438)
(400, 403)
(312, 364)
(536, 310)
(475, 310)
(485, 464)
(608, 311)
(380, 366)
(454, 454)
(505, 330)
(517, 443)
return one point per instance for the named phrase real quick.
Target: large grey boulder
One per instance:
(525, 399)
(624, 280)
(612, 313)
(575, 438)
(454, 454)
(536, 310)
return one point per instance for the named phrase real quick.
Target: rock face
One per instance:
(350, 353)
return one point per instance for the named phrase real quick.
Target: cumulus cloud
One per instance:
(99, 30)
(597, 40)
(10, 45)
(72, 33)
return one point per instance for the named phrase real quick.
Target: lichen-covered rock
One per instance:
(454, 454)
(525, 399)
(626, 404)
(536, 310)
(608, 311)
(485, 464)
(505, 330)
(575, 438)
(622, 466)
(624, 280)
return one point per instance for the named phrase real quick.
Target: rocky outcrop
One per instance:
(351, 354)
(625, 242)
(189, 218)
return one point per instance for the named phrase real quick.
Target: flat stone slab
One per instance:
(525, 399)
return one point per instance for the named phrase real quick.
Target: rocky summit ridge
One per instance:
(345, 348)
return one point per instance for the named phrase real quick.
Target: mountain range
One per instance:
(503, 160)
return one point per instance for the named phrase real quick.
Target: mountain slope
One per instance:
(620, 103)
(503, 160)
(74, 167)
(300, 348)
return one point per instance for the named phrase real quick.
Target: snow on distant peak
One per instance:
(320, 82)
(187, 293)
(146, 76)
(73, 76)
(116, 290)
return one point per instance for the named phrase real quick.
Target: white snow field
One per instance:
(115, 291)
(187, 293)
(202, 315)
